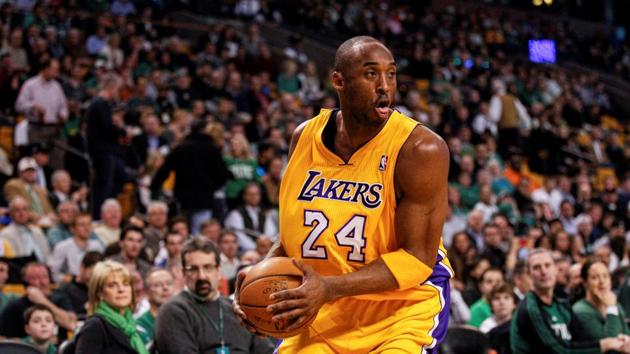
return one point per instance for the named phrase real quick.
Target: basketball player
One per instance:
(362, 204)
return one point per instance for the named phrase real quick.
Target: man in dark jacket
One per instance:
(199, 172)
(150, 140)
(105, 128)
(198, 319)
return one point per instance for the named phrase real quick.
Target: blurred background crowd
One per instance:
(125, 132)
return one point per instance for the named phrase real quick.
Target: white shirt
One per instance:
(482, 123)
(451, 226)
(234, 221)
(67, 256)
(48, 94)
(229, 268)
(488, 324)
(41, 177)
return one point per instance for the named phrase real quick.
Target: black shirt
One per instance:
(75, 294)
(12, 317)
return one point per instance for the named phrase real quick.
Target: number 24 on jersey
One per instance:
(351, 235)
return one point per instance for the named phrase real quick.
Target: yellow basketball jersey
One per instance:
(337, 216)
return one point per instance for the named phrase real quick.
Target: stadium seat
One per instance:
(8, 347)
(464, 339)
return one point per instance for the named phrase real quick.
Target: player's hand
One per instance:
(235, 304)
(302, 302)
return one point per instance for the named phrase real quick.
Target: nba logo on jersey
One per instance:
(383, 165)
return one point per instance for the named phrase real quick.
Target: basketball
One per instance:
(267, 277)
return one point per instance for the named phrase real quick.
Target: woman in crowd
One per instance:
(599, 313)
(111, 327)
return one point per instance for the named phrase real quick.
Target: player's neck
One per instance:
(351, 134)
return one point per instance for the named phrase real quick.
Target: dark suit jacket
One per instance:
(137, 156)
(97, 336)
(199, 171)
(102, 134)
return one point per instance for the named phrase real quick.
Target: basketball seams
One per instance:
(248, 282)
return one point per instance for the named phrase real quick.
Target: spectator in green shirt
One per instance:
(599, 312)
(242, 165)
(481, 310)
(545, 323)
(159, 284)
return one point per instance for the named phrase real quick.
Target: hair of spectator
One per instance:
(102, 270)
(200, 244)
(67, 202)
(536, 251)
(488, 226)
(502, 288)
(29, 265)
(111, 203)
(491, 269)
(587, 266)
(176, 220)
(36, 307)
(170, 234)
(110, 81)
(130, 228)
(225, 234)
(562, 258)
(157, 205)
(519, 269)
(210, 222)
(57, 175)
(347, 50)
(46, 63)
(91, 258)
(251, 185)
(198, 126)
(80, 215)
(150, 274)
(14, 201)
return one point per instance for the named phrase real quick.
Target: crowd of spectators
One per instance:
(130, 140)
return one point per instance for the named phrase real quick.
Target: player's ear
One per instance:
(337, 80)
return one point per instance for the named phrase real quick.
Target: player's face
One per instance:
(369, 85)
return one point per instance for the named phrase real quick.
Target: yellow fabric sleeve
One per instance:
(408, 270)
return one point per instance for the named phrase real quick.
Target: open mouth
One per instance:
(382, 108)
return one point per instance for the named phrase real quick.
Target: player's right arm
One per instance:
(276, 250)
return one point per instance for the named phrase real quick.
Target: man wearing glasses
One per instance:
(198, 319)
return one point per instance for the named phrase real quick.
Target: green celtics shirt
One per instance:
(548, 328)
(145, 324)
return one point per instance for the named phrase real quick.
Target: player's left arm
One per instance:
(421, 181)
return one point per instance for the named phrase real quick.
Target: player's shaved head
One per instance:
(348, 51)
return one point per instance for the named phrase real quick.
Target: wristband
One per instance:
(612, 310)
(408, 270)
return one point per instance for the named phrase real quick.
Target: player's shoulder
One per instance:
(424, 145)
(297, 133)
